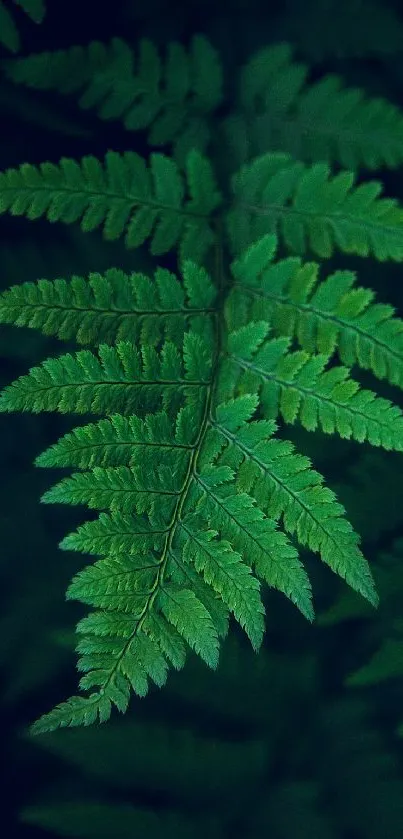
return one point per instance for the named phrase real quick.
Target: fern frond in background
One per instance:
(173, 759)
(9, 35)
(177, 99)
(313, 210)
(123, 196)
(174, 99)
(278, 109)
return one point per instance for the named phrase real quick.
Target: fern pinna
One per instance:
(189, 371)
(9, 34)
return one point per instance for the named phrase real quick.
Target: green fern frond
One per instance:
(236, 515)
(191, 497)
(112, 307)
(123, 197)
(284, 485)
(386, 663)
(189, 616)
(184, 575)
(310, 208)
(297, 385)
(319, 121)
(9, 34)
(199, 505)
(122, 488)
(130, 577)
(227, 573)
(35, 9)
(172, 98)
(141, 550)
(325, 315)
(122, 441)
(121, 377)
(119, 625)
(78, 710)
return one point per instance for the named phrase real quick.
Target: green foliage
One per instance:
(325, 120)
(386, 662)
(312, 209)
(193, 369)
(195, 768)
(177, 97)
(114, 306)
(9, 35)
(329, 315)
(221, 761)
(121, 195)
(172, 98)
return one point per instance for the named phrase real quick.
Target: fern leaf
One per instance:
(123, 489)
(117, 378)
(198, 502)
(319, 121)
(284, 485)
(184, 575)
(77, 711)
(9, 34)
(386, 663)
(170, 643)
(137, 571)
(35, 9)
(160, 488)
(225, 571)
(154, 481)
(172, 98)
(106, 624)
(190, 617)
(324, 315)
(122, 665)
(266, 548)
(191, 496)
(139, 659)
(122, 196)
(121, 440)
(296, 385)
(312, 209)
(112, 307)
(114, 534)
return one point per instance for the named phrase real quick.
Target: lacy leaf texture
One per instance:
(189, 372)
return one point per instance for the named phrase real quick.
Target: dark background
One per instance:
(281, 744)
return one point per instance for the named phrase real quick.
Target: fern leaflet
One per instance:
(112, 307)
(123, 197)
(325, 315)
(9, 34)
(279, 110)
(172, 98)
(310, 208)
